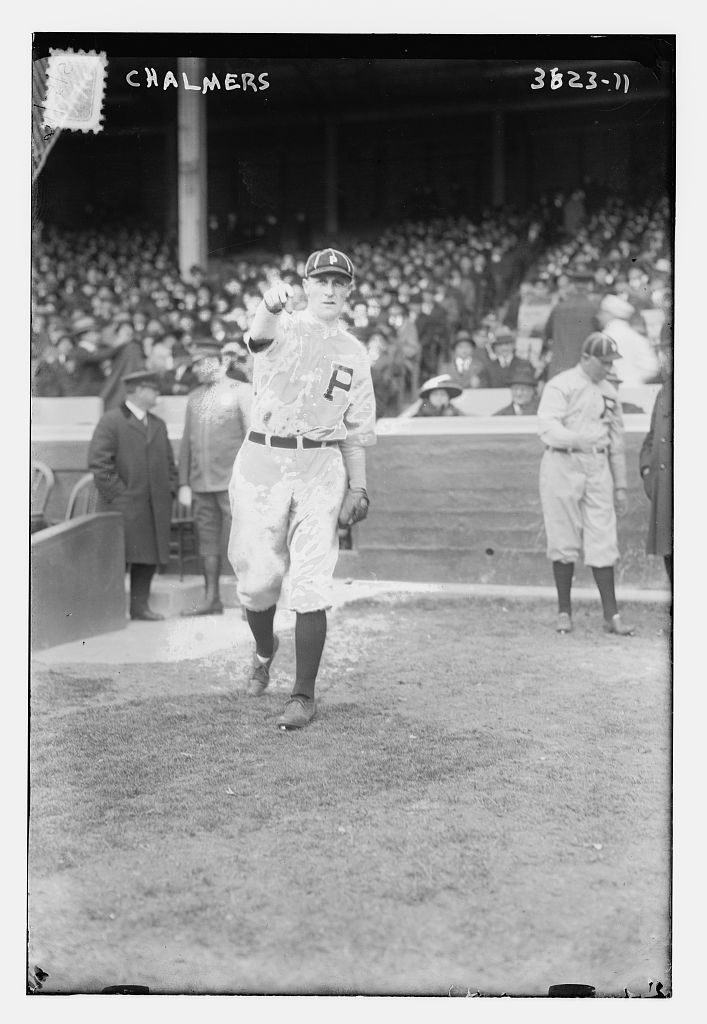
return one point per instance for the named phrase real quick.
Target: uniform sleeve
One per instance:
(360, 416)
(551, 413)
(268, 346)
(617, 454)
(102, 453)
(245, 405)
(185, 448)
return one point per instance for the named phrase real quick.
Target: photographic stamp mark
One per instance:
(75, 88)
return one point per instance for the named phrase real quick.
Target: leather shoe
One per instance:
(205, 608)
(615, 625)
(146, 615)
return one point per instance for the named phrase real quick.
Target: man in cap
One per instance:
(313, 416)
(132, 463)
(215, 426)
(583, 476)
(524, 393)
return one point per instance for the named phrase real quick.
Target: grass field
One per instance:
(480, 803)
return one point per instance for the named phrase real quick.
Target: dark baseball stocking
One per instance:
(604, 578)
(563, 572)
(261, 626)
(310, 634)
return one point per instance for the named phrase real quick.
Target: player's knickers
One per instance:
(285, 505)
(577, 498)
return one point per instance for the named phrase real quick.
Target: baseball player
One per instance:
(301, 471)
(583, 476)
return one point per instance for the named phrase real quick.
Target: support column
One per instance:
(498, 161)
(191, 143)
(331, 185)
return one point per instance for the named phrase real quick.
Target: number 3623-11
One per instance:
(556, 80)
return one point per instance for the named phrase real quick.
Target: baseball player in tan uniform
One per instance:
(302, 470)
(583, 476)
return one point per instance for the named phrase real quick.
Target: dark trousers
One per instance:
(140, 580)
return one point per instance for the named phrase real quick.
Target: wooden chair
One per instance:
(83, 498)
(183, 534)
(41, 485)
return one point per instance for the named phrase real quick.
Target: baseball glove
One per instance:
(354, 507)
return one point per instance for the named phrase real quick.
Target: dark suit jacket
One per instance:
(657, 457)
(530, 409)
(493, 375)
(135, 474)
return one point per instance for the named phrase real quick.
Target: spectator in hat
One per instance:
(90, 352)
(127, 356)
(569, 323)
(496, 372)
(132, 463)
(466, 365)
(637, 363)
(524, 393)
(436, 397)
(215, 426)
(656, 461)
(237, 361)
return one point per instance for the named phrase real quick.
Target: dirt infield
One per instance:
(480, 804)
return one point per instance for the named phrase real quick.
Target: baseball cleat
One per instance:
(299, 711)
(615, 625)
(260, 672)
(564, 623)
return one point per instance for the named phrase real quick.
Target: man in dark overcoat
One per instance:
(656, 463)
(133, 466)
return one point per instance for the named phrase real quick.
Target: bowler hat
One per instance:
(444, 383)
(523, 374)
(139, 378)
(327, 261)
(501, 336)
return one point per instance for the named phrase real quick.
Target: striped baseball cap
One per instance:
(327, 261)
(600, 345)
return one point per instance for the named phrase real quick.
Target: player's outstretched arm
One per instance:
(264, 323)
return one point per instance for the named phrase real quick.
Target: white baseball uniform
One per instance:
(312, 381)
(577, 488)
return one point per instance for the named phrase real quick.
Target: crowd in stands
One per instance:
(503, 301)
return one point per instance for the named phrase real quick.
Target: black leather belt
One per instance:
(273, 441)
(579, 451)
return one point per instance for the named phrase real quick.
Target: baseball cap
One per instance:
(600, 345)
(326, 261)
